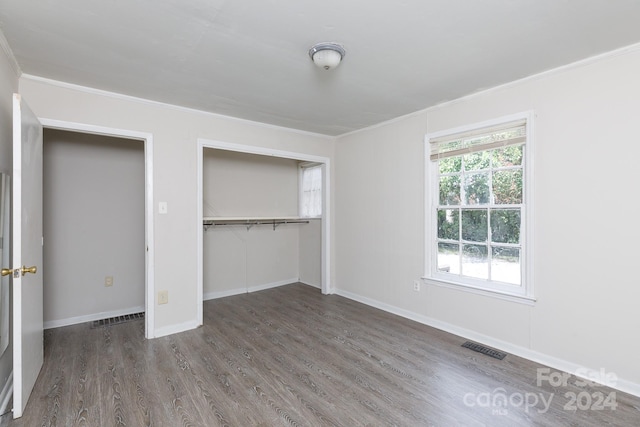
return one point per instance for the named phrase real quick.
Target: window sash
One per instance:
(311, 192)
(504, 135)
(436, 149)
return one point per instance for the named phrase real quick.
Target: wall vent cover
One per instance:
(484, 350)
(116, 320)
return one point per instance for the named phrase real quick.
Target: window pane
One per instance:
(507, 187)
(474, 225)
(480, 206)
(448, 224)
(475, 262)
(477, 161)
(505, 265)
(450, 165)
(311, 203)
(449, 258)
(476, 188)
(505, 226)
(450, 190)
(507, 156)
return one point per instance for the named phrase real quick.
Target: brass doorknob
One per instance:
(26, 270)
(6, 271)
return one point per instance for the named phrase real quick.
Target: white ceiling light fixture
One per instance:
(327, 55)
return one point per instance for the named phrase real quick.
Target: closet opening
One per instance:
(263, 219)
(98, 224)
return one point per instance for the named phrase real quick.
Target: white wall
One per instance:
(247, 185)
(175, 132)
(93, 226)
(586, 154)
(8, 85)
(310, 253)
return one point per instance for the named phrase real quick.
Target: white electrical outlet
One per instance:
(416, 285)
(163, 297)
(108, 281)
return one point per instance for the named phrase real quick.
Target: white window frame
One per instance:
(523, 293)
(301, 168)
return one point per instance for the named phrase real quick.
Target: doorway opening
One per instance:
(122, 141)
(297, 158)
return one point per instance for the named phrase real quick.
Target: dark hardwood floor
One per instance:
(290, 356)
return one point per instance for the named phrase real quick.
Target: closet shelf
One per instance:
(252, 221)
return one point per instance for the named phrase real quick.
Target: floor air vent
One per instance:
(484, 350)
(117, 320)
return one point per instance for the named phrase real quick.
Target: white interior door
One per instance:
(26, 235)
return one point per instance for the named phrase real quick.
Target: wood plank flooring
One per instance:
(292, 357)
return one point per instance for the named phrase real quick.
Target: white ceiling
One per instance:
(248, 58)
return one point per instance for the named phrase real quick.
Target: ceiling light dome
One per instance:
(327, 55)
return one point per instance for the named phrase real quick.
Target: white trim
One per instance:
(101, 92)
(325, 237)
(301, 169)
(4, 44)
(522, 299)
(50, 324)
(263, 151)
(256, 288)
(199, 232)
(19, 401)
(203, 143)
(526, 115)
(147, 138)
(523, 293)
(6, 394)
(223, 294)
(310, 284)
(174, 329)
(239, 291)
(529, 354)
(94, 129)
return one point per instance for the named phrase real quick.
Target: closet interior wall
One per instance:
(238, 258)
(94, 226)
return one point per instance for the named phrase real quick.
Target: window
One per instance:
(310, 190)
(478, 200)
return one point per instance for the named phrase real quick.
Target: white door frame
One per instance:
(251, 149)
(147, 138)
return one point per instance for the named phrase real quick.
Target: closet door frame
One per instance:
(326, 204)
(147, 139)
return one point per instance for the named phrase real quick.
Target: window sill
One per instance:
(521, 299)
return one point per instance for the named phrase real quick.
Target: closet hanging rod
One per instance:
(250, 223)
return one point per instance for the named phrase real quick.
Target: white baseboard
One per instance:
(534, 356)
(238, 291)
(310, 284)
(174, 329)
(49, 324)
(221, 294)
(272, 285)
(6, 394)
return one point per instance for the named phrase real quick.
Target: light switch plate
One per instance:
(162, 207)
(163, 297)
